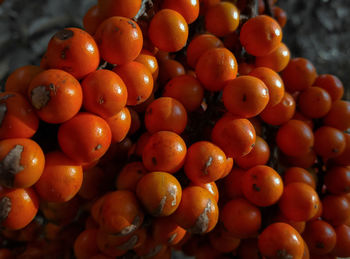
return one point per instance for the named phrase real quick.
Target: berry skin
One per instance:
(119, 40)
(260, 35)
(168, 30)
(215, 67)
(74, 51)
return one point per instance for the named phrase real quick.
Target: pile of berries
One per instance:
(174, 125)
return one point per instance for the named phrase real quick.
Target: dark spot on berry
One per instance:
(256, 188)
(3, 111)
(53, 88)
(154, 160)
(319, 245)
(101, 100)
(64, 34)
(64, 52)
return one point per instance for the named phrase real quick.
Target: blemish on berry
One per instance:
(101, 100)
(64, 53)
(53, 88)
(207, 165)
(99, 146)
(154, 160)
(3, 110)
(40, 96)
(319, 245)
(128, 245)
(282, 253)
(172, 192)
(172, 238)
(64, 34)
(5, 208)
(160, 207)
(202, 222)
(6, 97)
(256, 188)
(153, 251)
(131, 228)
(11, 165)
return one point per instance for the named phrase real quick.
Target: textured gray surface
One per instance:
(319, 30)
(27, 26)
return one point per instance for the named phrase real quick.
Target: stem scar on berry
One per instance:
(202, 221)
(64, 34)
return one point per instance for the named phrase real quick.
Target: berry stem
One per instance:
(268, 9)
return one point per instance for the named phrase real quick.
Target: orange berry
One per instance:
(166, 113)
(281, 112)
(222, 19)
(160, 193)
(200, 44)
(215, 67)
(168, 30)
(277, 60)
(262, 185)
(165, 151)
(189, 9)
(19, 207)
(56, 95)
(198, 211)
(299, 74)
(205, 162)
(241, 218)
(19, 80)
(260, 35)
(119, 40)
(138, 81)
(245, 96)
(104, 93)
(22, 162)
(235, 136)
(61, 179)
(299, 201)
(74, 51)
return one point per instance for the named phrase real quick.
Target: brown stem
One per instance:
(268, 8)
(320, 167)
(252, 8)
